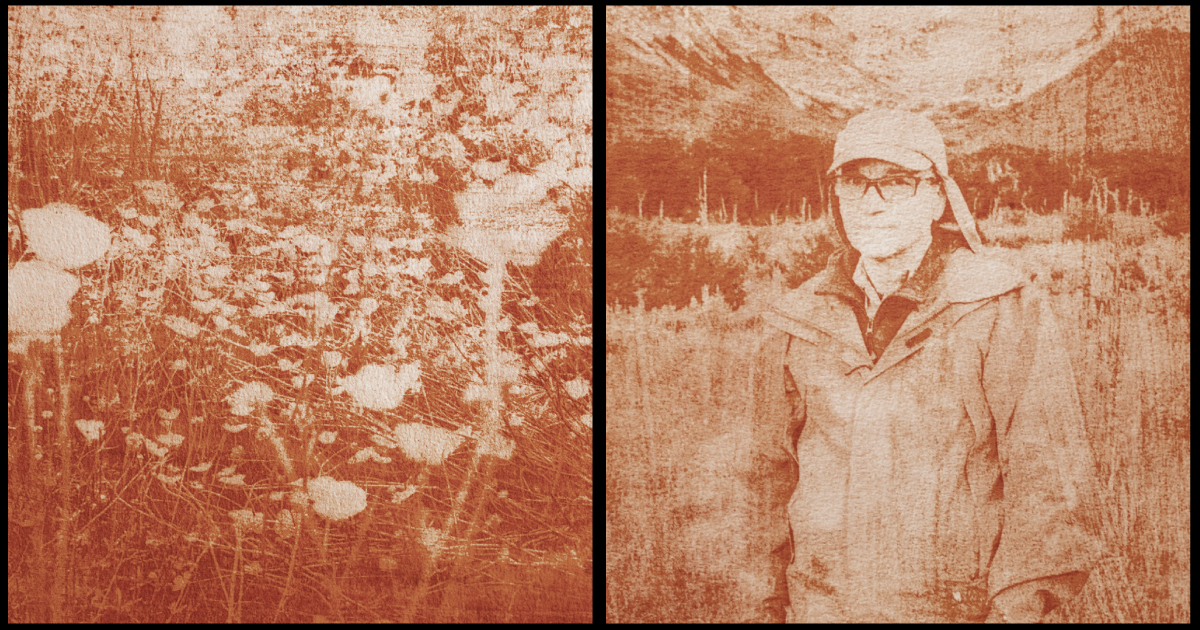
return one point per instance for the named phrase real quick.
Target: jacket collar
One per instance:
(948, 278)
(839, 280)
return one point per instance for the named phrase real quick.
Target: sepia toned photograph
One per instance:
(300, 314)
(897, 314)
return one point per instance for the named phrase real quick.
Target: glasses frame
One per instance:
(879, 191)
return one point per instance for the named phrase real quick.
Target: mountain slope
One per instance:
(677, 71)
(1133, 94)
(691, 72)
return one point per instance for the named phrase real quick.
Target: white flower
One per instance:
(171, 479)
(39, 296)
(398, 496)
(309, 243)
(548, 340)
(155, 449)
(248, 396)
(368, 305)
(577, 388)
(184, 327)
(170, 439)
(91, 429)
(434, 540)
(233, 480)
(65, 237)
(380, 386)
(324, 311)
(492, 443)
(217, 272)
(247, 521)
(336, 500)
(416, 267)
(426, 444)
(134, 440)
(368, 454)
(137, 239)
(296, 339)
(331, 358)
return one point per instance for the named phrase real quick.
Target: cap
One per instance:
(909, 140)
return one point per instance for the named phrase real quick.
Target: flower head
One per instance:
(64, 236)
(336, 500)
(248, 396)
(381, 386)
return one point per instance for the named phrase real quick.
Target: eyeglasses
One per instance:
(895, 188)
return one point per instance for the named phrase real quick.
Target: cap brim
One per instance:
(905, 158)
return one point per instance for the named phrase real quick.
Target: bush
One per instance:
(627, 255)
(1083, 222)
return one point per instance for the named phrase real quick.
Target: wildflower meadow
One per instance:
(300, 315)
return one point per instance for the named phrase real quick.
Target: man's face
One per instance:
(881, 229)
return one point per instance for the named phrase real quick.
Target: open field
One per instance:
(678, 404)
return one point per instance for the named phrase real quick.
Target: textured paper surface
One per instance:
(300, 310)
(1006, 436)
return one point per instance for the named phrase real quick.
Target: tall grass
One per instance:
(283, 259)
(679, 409)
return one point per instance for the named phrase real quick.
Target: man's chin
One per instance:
(875, 252)
(882, 243)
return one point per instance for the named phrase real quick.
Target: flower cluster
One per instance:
(40, 291)
(336, 500)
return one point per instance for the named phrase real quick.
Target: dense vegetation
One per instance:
(335, 363)
(680, 379)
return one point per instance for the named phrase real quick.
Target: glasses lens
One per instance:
(890, 188)
(897, 188)
(850, 188)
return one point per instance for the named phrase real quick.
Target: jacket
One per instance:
(925, 478)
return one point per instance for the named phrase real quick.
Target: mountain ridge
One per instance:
(689, 72)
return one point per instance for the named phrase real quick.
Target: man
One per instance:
(923, 456)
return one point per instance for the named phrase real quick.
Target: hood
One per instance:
(913, 142)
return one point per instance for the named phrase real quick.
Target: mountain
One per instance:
(688, 72)
(1117, 78)
(1134, 93)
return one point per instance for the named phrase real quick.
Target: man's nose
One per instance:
(877, 186)
(872, 202)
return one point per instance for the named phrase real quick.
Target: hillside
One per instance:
(1133, 94)
(1120, 82)
(686, 73)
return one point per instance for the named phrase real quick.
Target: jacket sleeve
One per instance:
(1049, 537)
(777, 411)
